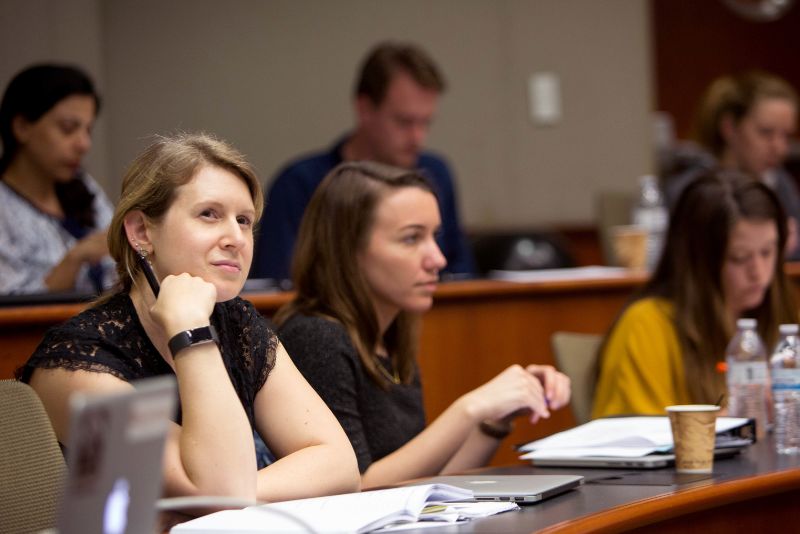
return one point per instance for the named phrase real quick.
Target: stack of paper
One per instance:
(614, 436)
(570, 274)
(351, 512)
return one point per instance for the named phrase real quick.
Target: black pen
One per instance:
(149, 274)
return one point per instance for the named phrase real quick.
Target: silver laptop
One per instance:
(650, 461)
(114, 459)
(521, 489)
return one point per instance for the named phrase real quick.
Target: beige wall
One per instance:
(274, 77)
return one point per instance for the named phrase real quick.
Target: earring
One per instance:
(141, 251)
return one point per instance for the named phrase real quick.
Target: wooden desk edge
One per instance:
(653, 510)
(269, 302)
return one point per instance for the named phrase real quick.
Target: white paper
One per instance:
(591, 272)
(615, 436)
(460, 511)
(350, 512)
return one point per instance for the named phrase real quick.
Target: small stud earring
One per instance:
(141, 251)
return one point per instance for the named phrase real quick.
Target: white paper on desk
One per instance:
(350, 512)
(612, 452)
(591, 272)
(638, 436)
(456, 511)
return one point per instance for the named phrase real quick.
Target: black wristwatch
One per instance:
(195, 336)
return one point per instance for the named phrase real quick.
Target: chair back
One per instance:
(32, 467)
(576, 355)
(512, 251)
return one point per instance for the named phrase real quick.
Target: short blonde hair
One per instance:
(735, 96)
(151, 180)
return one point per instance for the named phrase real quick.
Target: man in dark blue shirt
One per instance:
(395, 100)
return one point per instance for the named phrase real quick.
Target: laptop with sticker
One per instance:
(114, 458)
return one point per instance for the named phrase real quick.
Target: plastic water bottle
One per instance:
(785, 367)
(650, 213)
(748, 376)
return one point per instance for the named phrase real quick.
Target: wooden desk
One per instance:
(475, 330)
(757, 491)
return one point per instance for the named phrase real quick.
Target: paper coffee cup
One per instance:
(693, 432)
(630, 246)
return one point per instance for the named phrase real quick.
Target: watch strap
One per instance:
(195, 336)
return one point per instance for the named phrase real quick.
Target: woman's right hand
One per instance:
(515, 390)
(184, 302)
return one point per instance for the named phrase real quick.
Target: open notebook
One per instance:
(349, 512)
(114, 459)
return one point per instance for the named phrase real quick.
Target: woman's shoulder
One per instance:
(314, 335)
(18, 213)
(103, 338)
(647, 316)
(655, 308)
(314, 326)
(241, 315)
(116, 309)
(321, 349)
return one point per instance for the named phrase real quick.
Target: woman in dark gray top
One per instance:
(366, 265)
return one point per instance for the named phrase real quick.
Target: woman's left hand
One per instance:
(557, 388)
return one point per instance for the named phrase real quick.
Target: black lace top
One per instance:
(110, 339)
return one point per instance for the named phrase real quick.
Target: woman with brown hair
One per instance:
(188, 208)
(366, 265)
(723, 259)
(745, 123)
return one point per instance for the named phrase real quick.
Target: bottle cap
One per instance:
(789, 328)
(746, 323)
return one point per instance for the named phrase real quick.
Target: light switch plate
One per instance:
(544, 94)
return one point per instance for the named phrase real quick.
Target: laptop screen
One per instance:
(114, 458)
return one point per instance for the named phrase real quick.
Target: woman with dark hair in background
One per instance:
(723, 259)
(366, 265)
(54, 217)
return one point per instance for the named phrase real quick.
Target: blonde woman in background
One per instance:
(189, 205)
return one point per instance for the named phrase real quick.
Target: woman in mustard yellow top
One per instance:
(723, 259)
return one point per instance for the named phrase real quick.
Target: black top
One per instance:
(110, 339)
(377, 421)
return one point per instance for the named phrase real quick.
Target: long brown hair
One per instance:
(336, 226)
(689, 273)
(735, 97)
(151, 180)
